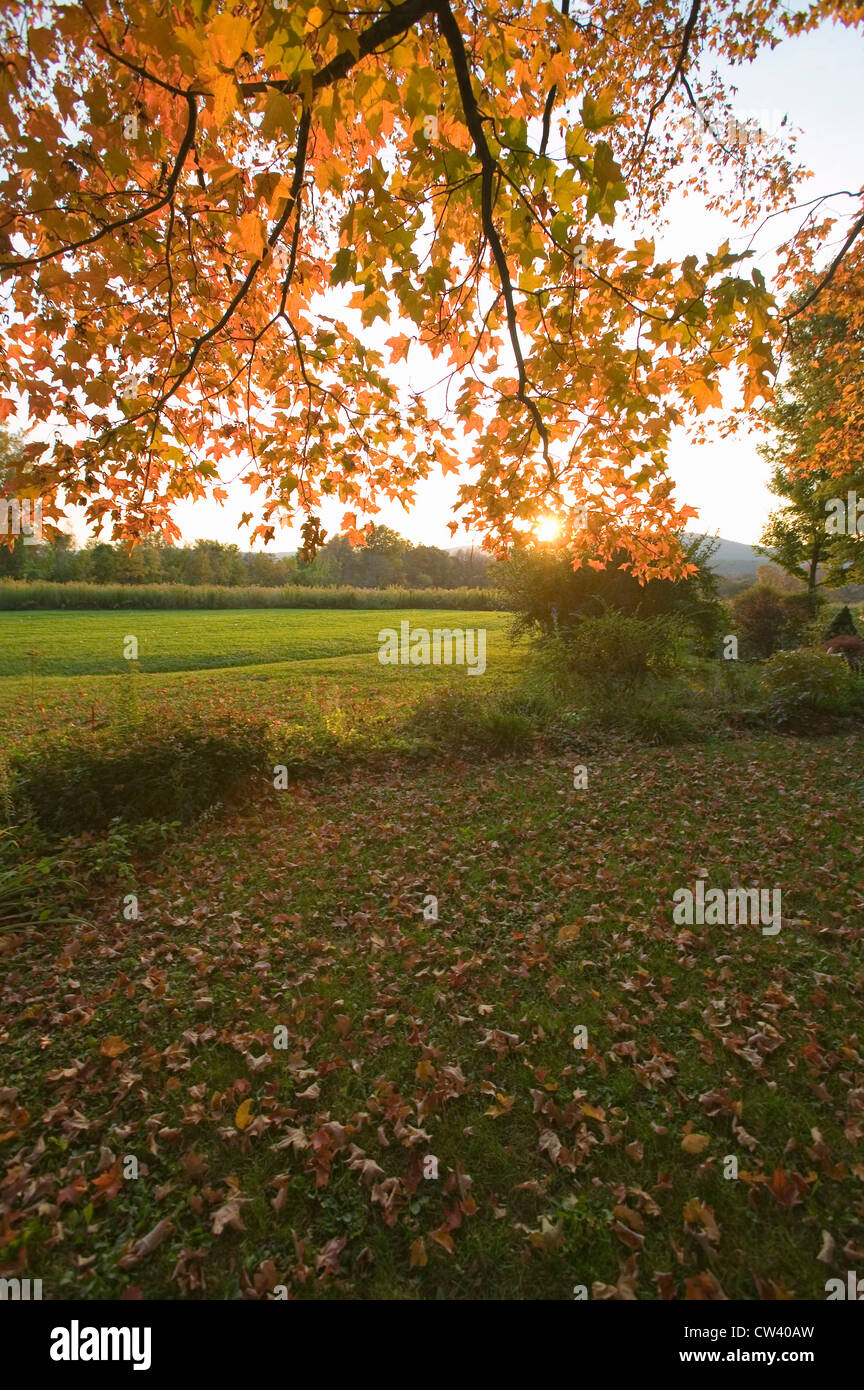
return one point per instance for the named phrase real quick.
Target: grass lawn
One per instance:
(92, 643)
(407, 1040)
(282, 663)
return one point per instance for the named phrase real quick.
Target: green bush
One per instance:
(547, 594)
(801, 685)
(624, 673)
(612, 653)
(27, 886)
(86, 781)
(490, 721)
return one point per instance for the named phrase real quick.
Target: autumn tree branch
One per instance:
(676, 73)
(389, 26)
(856, 231)
(133, 217)
(550, 98)
(290, 205)
(488, 166)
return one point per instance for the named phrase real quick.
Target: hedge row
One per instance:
(22, 594)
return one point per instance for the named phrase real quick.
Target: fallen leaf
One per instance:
(147, 1244)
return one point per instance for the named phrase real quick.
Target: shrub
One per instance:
(87, 780)
(620, 672)
(802, 684)
(498, 723)
(843, 625)
(613, 652)
(27, 885)
(764, 620)
(801, 616)
(546, 594)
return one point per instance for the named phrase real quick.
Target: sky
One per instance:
(816, 80)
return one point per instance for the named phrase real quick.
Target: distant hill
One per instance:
(731, 560)
(734, 560)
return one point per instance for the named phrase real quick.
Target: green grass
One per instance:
(409, 1038)
(92, 643)
(297, 662)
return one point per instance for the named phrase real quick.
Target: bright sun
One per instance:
(548, 528)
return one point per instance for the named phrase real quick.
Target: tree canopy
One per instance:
(213, 214)
(817, 433)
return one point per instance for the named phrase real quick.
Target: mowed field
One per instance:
(65, 669)
(532, 1091)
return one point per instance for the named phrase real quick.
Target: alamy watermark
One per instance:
(853, 1288)
(845, 518)
(17, 1290)
(76, 1343)
(706, 906)
(21, 516)
(442, 647)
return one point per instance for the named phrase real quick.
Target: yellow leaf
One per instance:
(244, 1114)
(113, 1046)
(419, 1258)
(695, 1143)
(570, 933)
(229, 36)
(250, 235)
(224, 97)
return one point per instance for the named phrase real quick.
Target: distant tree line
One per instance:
(387, 560)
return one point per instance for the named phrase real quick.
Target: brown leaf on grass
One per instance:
(665, 1285)
(418, 1258)
(73, 1192)
(147, 1244)
(265, 1278)
(549, 1235)
(194, 1164)
(113, 1046)
(188, 1271)
(698, 1213)
(633, 1219)
(443, 1238)
(627, 1286)
(228, 1215)
(550, 1144)
(327, 1259)
(703, 1288)
(632, 1239)
(826, 1254)
(109, 1182)
(570, 933)
(788, 1188)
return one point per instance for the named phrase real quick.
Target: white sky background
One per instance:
(816, 79)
